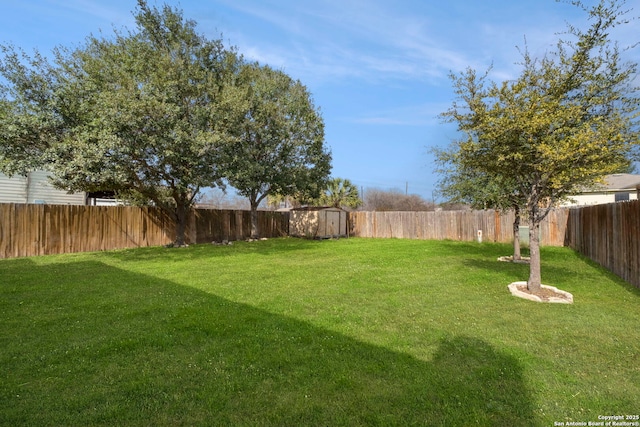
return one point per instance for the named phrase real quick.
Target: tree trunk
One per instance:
(254, 219)
(181, 224)
(516, 234)
(535, 279)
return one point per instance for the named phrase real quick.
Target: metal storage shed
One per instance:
(318, 222)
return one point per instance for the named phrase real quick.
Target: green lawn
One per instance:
(291, 332)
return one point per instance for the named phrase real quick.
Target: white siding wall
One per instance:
(41, 191)
(13, 190)
(596, 199)
(35, 189)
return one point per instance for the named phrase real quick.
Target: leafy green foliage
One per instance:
(462, 183)
(156, 115)
(140, 112)
(569, 119)
(479, 190)
(278, 144)
(340, 193)
(31, 118)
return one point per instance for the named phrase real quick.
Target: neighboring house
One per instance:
(618, 187)
(36, 188)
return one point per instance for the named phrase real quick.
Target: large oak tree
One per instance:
(278, 146)
(139, 112)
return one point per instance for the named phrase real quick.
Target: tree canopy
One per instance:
(461, 182)
(339, 193)
(565, 122)
(136, 113)
(278, 144)
(156, 114)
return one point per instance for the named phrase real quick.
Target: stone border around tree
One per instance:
(564, 298)
(522, 260)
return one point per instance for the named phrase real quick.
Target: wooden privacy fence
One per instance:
(212, 225)
(609, 235)
(28, 229)
(453, 225)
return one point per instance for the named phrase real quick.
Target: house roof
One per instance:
(621, 181)
(618, 182)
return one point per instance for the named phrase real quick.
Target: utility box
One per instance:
(523, 231)
(318, 222)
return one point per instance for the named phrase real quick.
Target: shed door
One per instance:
(332, 223)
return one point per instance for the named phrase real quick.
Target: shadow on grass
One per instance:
(486, 253)
(557, 264)
(95, 345)
(516, 272)
(509, 270)
(207, 250)
(562, 262)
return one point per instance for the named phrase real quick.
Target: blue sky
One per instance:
(377, 69)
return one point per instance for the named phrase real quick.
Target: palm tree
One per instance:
(341, 193)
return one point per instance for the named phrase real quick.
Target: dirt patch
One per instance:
(545, 293)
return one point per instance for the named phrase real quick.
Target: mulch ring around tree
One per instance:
(547, 293)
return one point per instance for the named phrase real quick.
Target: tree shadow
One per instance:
(272, 246)
(483, 250)
(555, 268)
(568, 267)
(91, 344)
(511, 271)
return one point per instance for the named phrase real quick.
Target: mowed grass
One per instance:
(291, 332)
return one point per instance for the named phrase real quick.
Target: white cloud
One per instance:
(413, 115)
(341, 40)
(381, 43)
